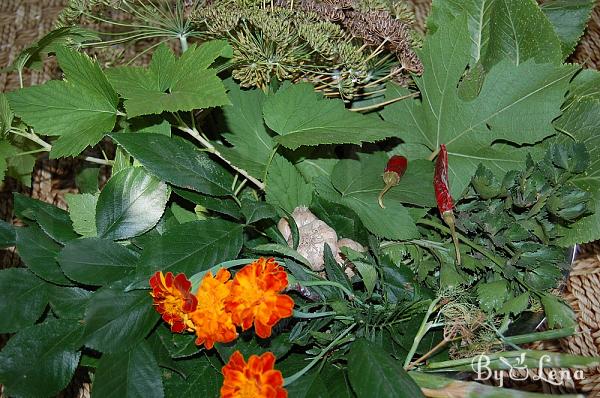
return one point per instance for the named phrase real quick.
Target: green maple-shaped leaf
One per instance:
(171, 84)
(303, 117)
(502, 29)
(252, 146)
(81, 109)
(516, 105)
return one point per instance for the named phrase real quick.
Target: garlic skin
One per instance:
(314, 234)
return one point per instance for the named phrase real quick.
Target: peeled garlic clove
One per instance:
(313, 237)
(284, 227)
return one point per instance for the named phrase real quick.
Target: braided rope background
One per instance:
(23, 21)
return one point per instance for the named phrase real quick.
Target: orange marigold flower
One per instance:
(255, 296)
(212, 323)
(173, 299)
(255, 379)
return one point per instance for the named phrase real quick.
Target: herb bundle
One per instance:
(241, 246)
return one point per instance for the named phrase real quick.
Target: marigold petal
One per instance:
(257, 378)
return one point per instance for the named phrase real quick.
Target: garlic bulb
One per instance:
(314, 234)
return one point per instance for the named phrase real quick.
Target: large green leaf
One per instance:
(374, 373)
(204, 378)
(53, 220)
(23, 298)
(581, 121)
(8, 235)
(303, 117)
(516, 104)
(192, 247)
(116, 320)
(251, 144)
(39, 361)
(81, 109)
(39, 252)
(82, 211)
(569, 19)
(95, 261)
(130, 204)
(178, 162)
(501, 29)
(68, 302)
(285, 186)
(171, 84)
(129, 374)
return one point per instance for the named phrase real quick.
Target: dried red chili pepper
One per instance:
(443, 197)
(394, 170)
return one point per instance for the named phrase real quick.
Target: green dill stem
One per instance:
(289, 380)
(491, 256)
(312, 315)
(351, 295)
(210, 147)
(183, 42)
(423, 329)
(384, 103)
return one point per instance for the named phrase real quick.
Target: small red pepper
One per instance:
(443, 197)
(394, 170)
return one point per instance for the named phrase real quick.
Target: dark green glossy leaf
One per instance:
(39, 361)
(96, 261)
(285, 186)
(569, 19)
(116, 320)
(130, 204)
(204, 378)
(178, 345)
(257, 210)
(54, 221)
(38, 251)
(68, 302)
(23, 298)
(128, 374)
(192, 247)
(7, 235)
(373, 373)
(334, 270)
(177, 161)
(225, 206)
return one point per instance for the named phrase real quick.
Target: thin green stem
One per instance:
(98, 161)
(293, 281)
(491, 256)
(423, 329)
(289, 380)
(312, 315)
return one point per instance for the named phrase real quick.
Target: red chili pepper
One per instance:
(443, 197)
(394, 170)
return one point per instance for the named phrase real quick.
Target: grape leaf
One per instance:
(170, 84)
(285, 186)
(516, 104)
(501, 29)
(82, 211)
(252, 146)
(81, 109)
(303, 117)
(581, 121)
(569, 19)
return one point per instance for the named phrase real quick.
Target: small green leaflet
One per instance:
(520, 31)
(569, 19)
(82, 211)
(516, 104)
(6, 116)
(303, 117)
(582, 122)
(81, 109)
(285, 186)
(171, 84)
(252, 146)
